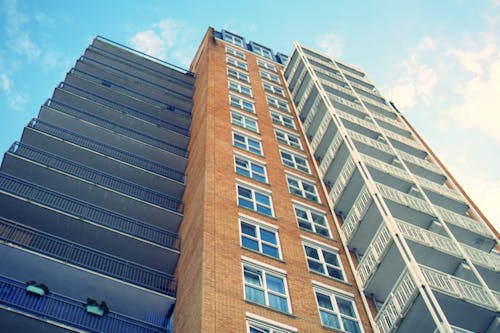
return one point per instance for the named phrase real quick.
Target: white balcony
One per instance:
(356, 213)
(320, 131)
(343, 178)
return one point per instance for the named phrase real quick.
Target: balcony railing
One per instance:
(330, 152)
(95, 176)
(361, 122)
(318, 136)
(402, 139)
(128, 132)
(420, 162)
(85, 257)
(305, 96)
(89, 212)
(404, 199)
(356, 213)
(388, 120)
(342, 180)
(106, 150)
(312, 112)
(299, 81)
(347, 103)
(399, 299)
(67, 311)
(465, 222)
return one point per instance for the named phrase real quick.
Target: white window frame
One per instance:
(259, 225)
(241, 103)
(277, 103)
(266, 65)
(265, 325)
(303, 192)
(254, 190)
(271, 88)
(251, 172)
(236, 53)
(266, 270)
(333, 295)
(236, 63)
(295, 143)
(310, 214)
(245, 121)
(246, 144)
(280, 121)
(321, 248)
(231, 72)
(233, 39)
(240, 88)
(293, 162)
(262, 51)
(270, 77)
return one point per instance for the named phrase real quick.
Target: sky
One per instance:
(439, 61)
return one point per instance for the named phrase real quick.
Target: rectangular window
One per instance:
(233, 39)
(247, 143)
(250, 168)
(263, 325)
(240, 88)
(266, 65)
(288, 139)
(277, 103)
(324, 260)
(244, 121)
(269, 76)
(283, 120)
(235, 53)
(237, 63)
(295, 161)
(337, 311)
(261, 50)
(302, 188)
(260, 238)
(241, 103)
(312, 220)
(255, 200)
(266, 287)
(273, 89)
(238, 75)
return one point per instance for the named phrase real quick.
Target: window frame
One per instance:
(265, 325)
(235, 53)
(266, 65)
(233, 73)
(237, 63)
(232, 38)
(239, 88)
(310, 219)
(251, 162)
(277, 103)
(272, 89)
(254, 189)
(261, 50)
(321, 260)
(246, 143)
(240, 102)
(286, 139)
(246, 118)
(301, 181)
(266, 270)
(280, 121)
(294, 164)
(259, 225)
(269, 76)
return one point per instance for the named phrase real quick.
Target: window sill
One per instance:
(271, 309)
(333, 279)
(308, 200)
(256, 212)
(319, 235)
(255, 180)
(265, 255)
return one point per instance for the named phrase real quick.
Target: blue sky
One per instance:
(438, 60)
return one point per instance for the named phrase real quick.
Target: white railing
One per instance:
(391, 121)
(347, 103)
(324, 63)
(342, 180)
(406, 141)
(305, 96)
(356, 120)
(312, 112)
(374, 254)
(404, 199)
(356, 213)
(420, 162)
(330, 153)
(399, 299)
(299, 81)
(294, 69)
(320, 131)
(376, 103)
(338, 87)
(457, 287)
(465, 222)
(489, 260)
(330, 74)
(369, 141)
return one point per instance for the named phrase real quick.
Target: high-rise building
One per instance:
(253, 193)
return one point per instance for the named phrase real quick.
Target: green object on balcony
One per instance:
(35, 290)
(95, 309)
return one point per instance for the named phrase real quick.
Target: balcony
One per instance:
(330, 153)
(54, 310)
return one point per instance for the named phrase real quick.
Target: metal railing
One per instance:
(312, 112)
(404, 199)
(106, 150)
(342, 180)
(89, 212)
(465, 222)
(95, 176)
(356, 213)
(330, 152)
(112, 126)
(86, 257)
(68, 311)
(318, 136)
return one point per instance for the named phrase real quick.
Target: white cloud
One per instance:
(472, 61)
(149, 42)
(5, 82)
(331, 44)
(427, 43)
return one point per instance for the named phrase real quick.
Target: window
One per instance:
(277, 103)
(288, 139)
(233, 39)
(311, 220)
(241, 103)
(294, 161)
(245, 122)
(255, 200)
(273, 89)
(265, 286)
(247, 143)
(266, 65)
(238, 75)
(302, 188)
(249, 168)
(324, 260)
(263, 51)
(269, 76)
(235, 53)
(237, 63)
(240, 88)
(337, 311)
(283, 120)
(258, 324)
(260, 238)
